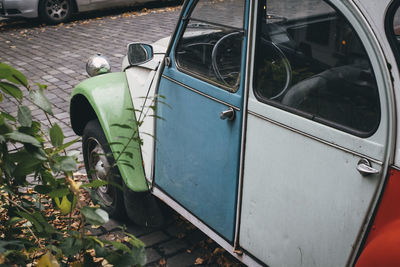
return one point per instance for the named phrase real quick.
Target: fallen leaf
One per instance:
(162, 262)
(199, 261)
(219, 251)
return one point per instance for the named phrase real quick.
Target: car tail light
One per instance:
(382, 247)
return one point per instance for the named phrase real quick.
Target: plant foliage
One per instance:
(44, 209)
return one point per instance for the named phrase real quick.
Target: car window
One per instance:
(396, 24)
(211, 44)
(310, 61)
(393, 29)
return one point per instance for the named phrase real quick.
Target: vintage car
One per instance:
(270, 125)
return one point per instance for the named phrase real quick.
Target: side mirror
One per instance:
(139, 53)
(97, 65)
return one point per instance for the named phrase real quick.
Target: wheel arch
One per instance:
(74, 6)
(81, 112)
(107, 98)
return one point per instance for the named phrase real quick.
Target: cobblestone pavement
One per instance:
(56, 56)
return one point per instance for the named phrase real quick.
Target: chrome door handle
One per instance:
(227, 114)
(365, 168)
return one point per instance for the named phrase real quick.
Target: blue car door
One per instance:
(199, 133)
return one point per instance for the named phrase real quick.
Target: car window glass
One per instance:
(310, 61)
(211, 44)
(396, 24)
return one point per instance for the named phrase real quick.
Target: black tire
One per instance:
(143, 208)
(55, 11)
(98, 163)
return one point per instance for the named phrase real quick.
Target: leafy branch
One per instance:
(44, 207)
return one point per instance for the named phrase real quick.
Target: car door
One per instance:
(198, 133)
(317, 134)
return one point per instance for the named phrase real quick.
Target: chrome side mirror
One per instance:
(97, 65)
(139, 53)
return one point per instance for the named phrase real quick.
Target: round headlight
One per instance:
(97, 65)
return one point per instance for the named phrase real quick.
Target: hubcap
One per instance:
(100, 169)
(57, 9)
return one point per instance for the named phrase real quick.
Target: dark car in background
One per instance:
(57, 11)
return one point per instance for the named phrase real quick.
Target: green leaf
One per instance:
(56, 135)
(65, 164)
(157, 117)
(94, 216)
(5, 245)
(41, 86)
(2, 119)
(8, 116)
(1, 97)
(5, 128)
(118, 245)
(139, 254)
(43, 189)
(71, 246)
(23, 138)
(32, 219)
(73, 154)
(123, 126)
(115, 143)
(24, 156)
(47, 227)
(95, 184)
(33, 130)
(129, 154)
(124, 260)
(64, 146)
(128, 165)
(12, 75)
(136, 257)
(135, 241)
(95, 239)
(40, 100)
(29, 166)
(60, 192)
(164, 103)
(36, 152)
(100, 251)
(24, 116)
(48, 178)
(11, 90)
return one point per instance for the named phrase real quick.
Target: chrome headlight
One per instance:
(97, 65)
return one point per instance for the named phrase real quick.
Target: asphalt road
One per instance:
(56, 56)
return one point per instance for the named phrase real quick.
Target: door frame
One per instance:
(233, 248)
(355, 17)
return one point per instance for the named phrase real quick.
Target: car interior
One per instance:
(313, 65)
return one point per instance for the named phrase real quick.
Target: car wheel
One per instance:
(99, 166)
(55, 11)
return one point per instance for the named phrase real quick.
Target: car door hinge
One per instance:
(167, 61)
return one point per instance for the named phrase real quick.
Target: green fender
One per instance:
(107, 98)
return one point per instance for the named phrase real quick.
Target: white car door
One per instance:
(317, 124)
